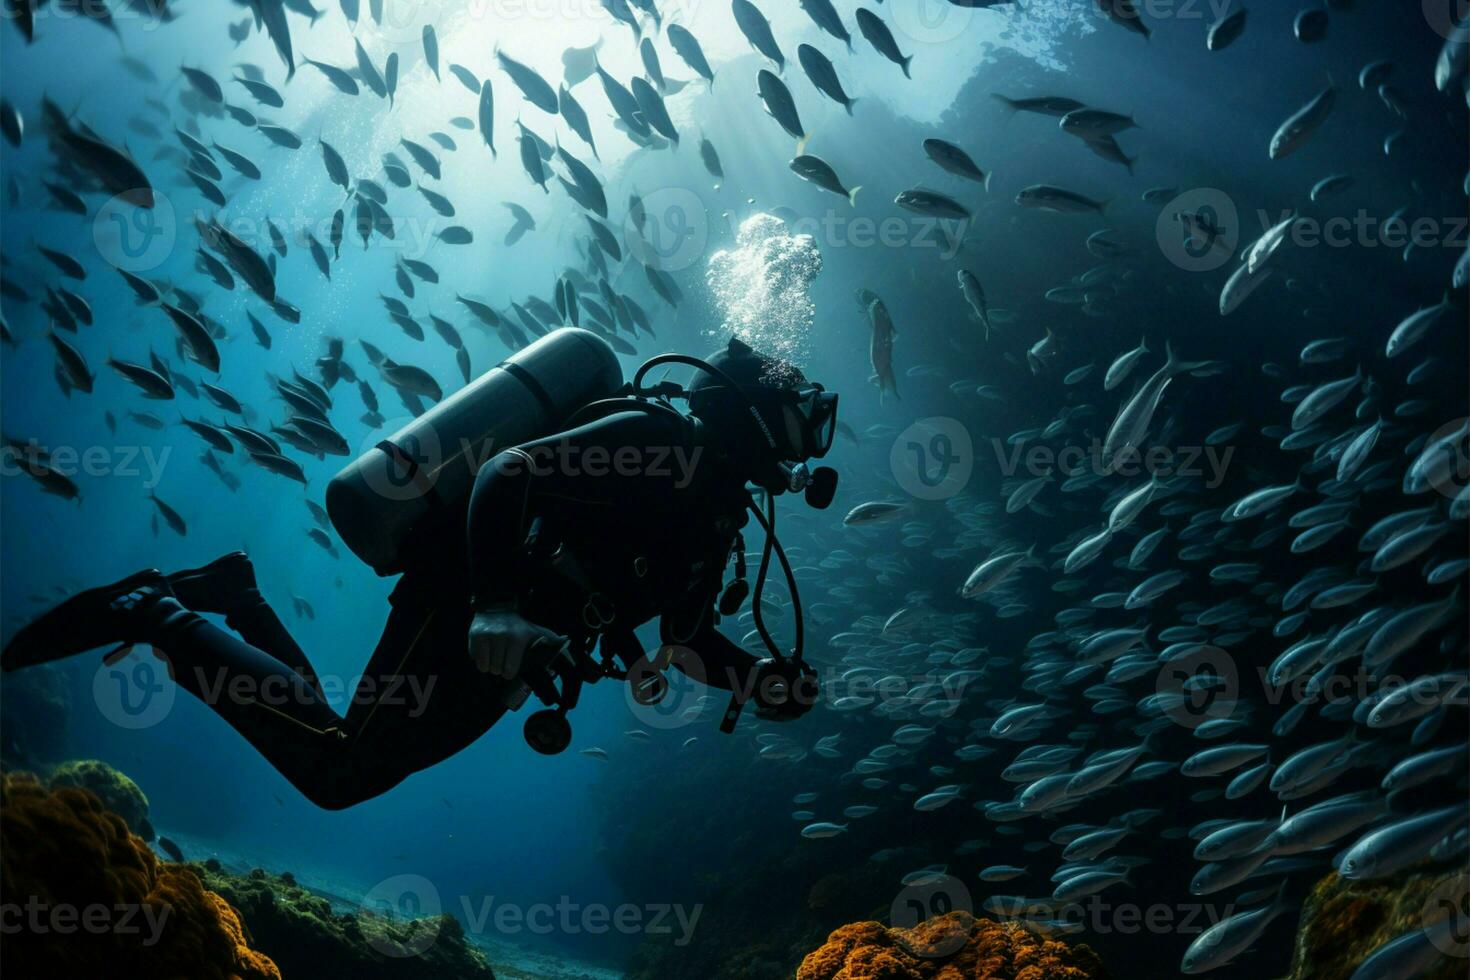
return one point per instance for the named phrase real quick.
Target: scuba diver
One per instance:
(514, 572)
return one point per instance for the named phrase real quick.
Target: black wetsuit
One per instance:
(648, 518)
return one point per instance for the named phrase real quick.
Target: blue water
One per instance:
(498, 819)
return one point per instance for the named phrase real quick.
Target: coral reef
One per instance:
(1343, 922)
(307, 938)
(955, 946)
(62, 853)
(117, 792)
(94, 901)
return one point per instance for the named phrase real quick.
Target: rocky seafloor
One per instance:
(73, 838)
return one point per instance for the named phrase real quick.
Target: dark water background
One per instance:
(661, 824)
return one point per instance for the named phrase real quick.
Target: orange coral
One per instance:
(956, 946)
(86, 897)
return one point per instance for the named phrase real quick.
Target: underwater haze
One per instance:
(1140, 612)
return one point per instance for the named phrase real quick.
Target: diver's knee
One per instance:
(343, 793)
(333, 799)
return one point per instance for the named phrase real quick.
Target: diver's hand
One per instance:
(500, 640)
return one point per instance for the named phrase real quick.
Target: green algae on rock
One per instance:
(1343, 922)
(116, 791)
(306, 938)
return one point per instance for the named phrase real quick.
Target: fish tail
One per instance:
(801, 143)
(986, 182)
(852, 196)
(848, 105)
(904, 64)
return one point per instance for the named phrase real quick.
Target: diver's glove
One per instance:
(502, 641)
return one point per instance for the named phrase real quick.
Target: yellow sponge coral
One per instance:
(86, 897)
(956, 946)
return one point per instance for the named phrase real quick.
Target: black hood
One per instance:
(754, 441)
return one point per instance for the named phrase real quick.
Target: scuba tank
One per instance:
(421, 476)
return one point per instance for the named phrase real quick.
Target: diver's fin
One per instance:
(86, 621)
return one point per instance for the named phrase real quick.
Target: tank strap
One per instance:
(532, 385)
